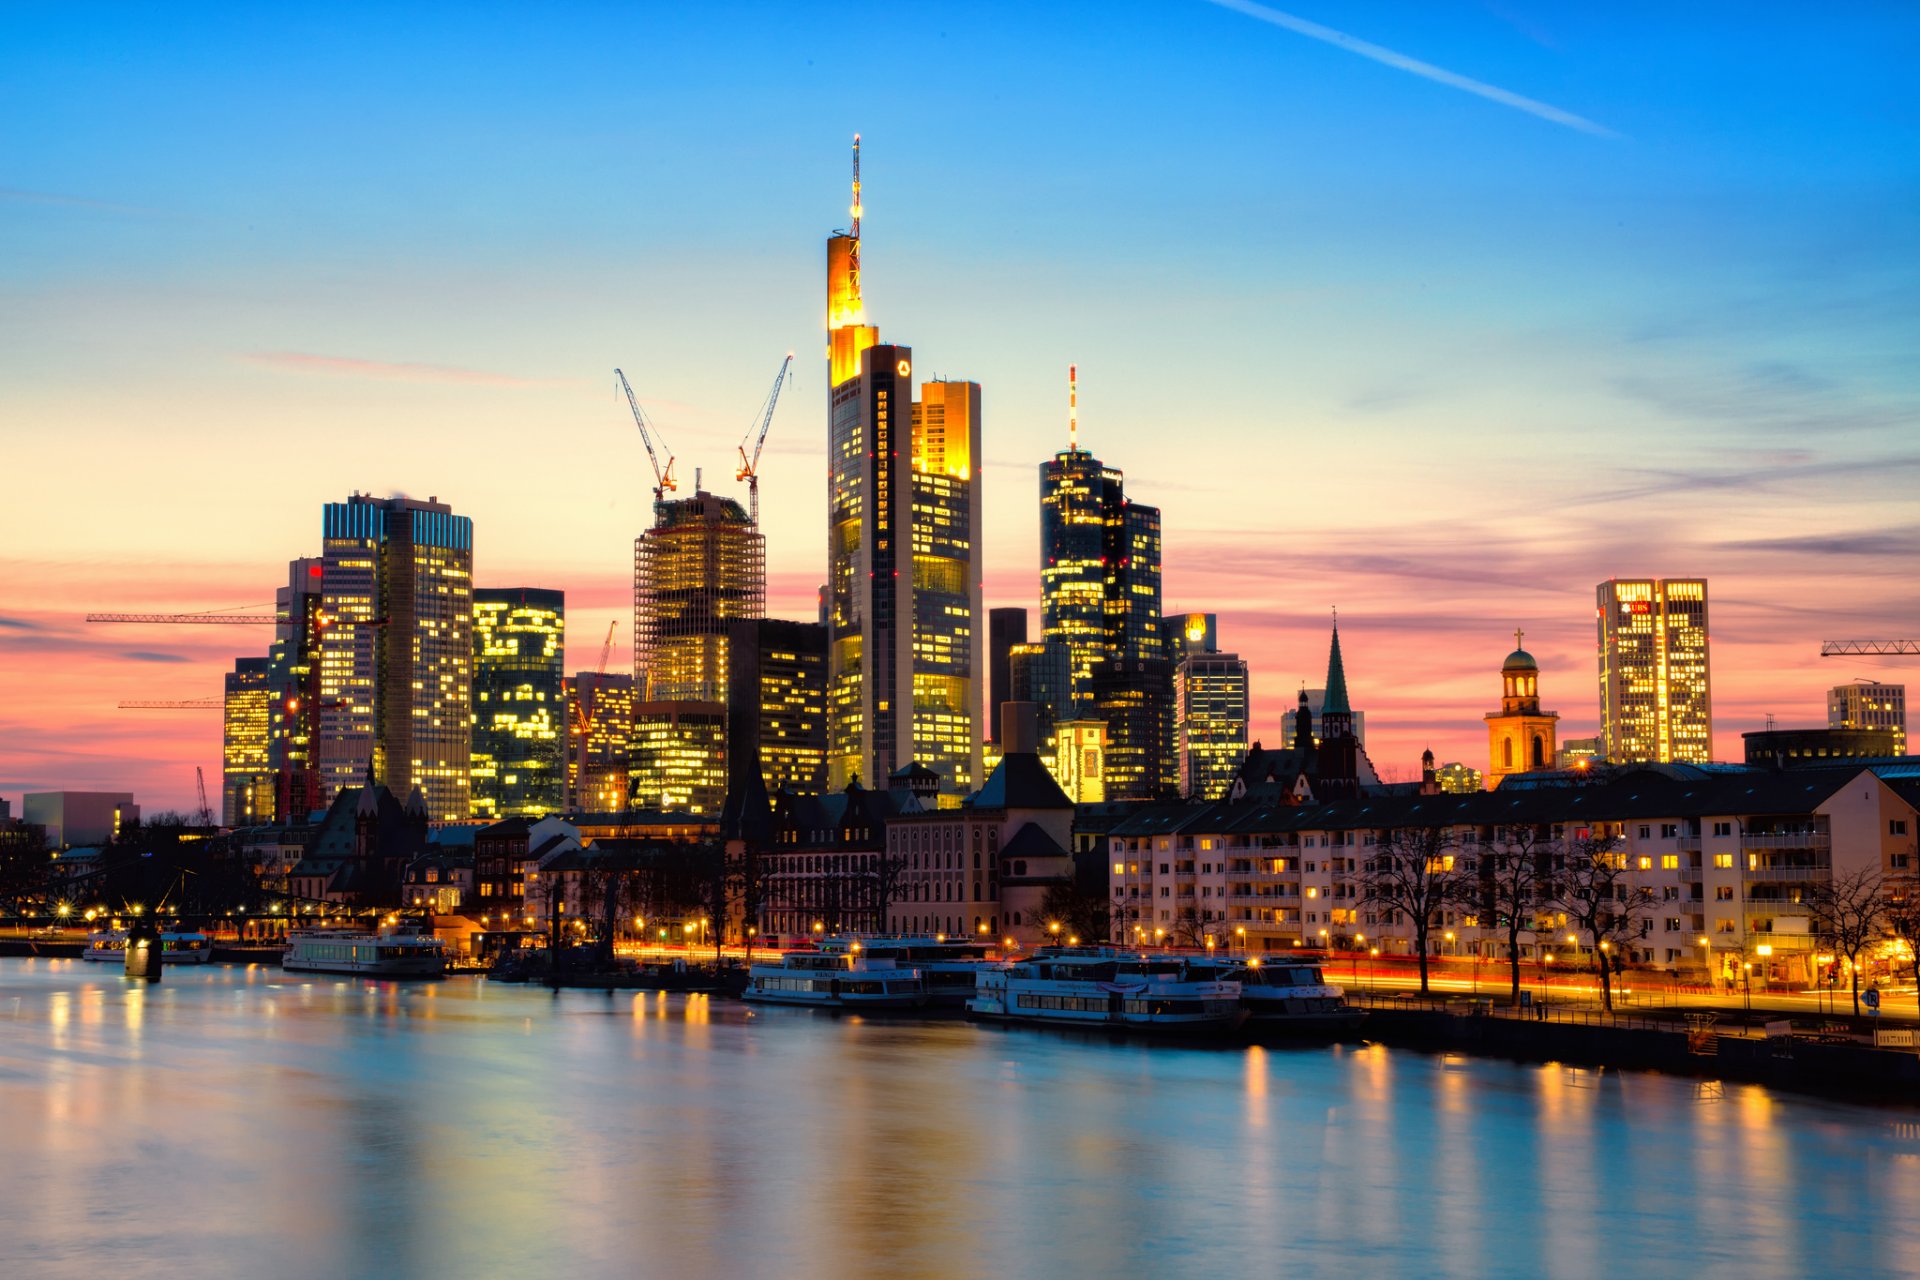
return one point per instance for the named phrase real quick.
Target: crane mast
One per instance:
(750, 466)
(663, 480)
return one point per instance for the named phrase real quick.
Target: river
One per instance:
(237, 1120)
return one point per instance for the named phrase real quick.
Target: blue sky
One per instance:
(1368, 339)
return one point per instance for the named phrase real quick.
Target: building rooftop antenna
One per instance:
(1073, 408)
(853, 253)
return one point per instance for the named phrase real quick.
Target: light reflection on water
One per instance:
(239, 1118)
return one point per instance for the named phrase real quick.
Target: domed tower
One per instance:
(1520, 736)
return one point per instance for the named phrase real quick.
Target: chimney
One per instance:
(1019, 728)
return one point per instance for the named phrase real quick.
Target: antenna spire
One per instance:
(1073, 408)
(853, 263)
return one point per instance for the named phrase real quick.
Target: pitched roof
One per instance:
(1336, 697)
(1020, 781)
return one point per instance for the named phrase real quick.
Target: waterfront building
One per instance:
(1802, 748)
(1211, 706)
(75, 818)
(1727, 858)
(396, 650)
(1005, 629)
(1520, 736)
(247, 789)
(1655, 701)
(295, 682)
(1870, 704)
(599, 741)
(1458, 779)
(500, 854)
(362, 847)
(906, 665)
(777, 699)
(519, 702)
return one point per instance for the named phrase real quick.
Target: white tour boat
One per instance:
(1103, 988)
(849, 979)
(1286, 995)
(948, 966)
(371, 955)
(180, 948)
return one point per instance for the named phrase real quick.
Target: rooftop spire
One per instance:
(1073, 408)
(853, 267)
(1336, 699)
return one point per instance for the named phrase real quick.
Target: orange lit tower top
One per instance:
(848, 332)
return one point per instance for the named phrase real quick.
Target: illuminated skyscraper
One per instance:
(247, 795)
(519, 704)
(396, 650)
(1210, 706)
(906, 660)
(295, 680)
(599, 741)
(1654, 696)
(779, 699)
(1869, 704)
(699, 569)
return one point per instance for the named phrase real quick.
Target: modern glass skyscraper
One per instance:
(247, 793)
(779, 700)
(396, 650)
(599, 741)
(295, 679)
(906, 660)
(1655, 702)
(519, 702)
(1211, 706)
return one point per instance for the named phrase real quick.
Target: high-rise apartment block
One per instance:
(247, 793)
(906, 659)
(1655, 702)
(599, 741)
(396, 650)
(1211, 706)
(778, 701)
(1869, 704)
(519, 702)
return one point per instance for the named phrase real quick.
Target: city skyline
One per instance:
(1708, 391)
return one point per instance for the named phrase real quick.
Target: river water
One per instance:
(237, 1120)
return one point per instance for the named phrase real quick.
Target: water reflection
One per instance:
(235, 1118)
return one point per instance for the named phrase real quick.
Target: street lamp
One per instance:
(1241, 933)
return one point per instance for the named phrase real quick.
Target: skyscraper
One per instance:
(295, 681)
(1005, 628)
(396, 650)
(699, 569)
(519, 703)
(1654, 695)
(247, 793)
(1100, 599)
(599, 741)
(1870, 704)
(1211, 706)
(906, 663)
(778, 698)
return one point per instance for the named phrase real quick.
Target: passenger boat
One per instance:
(849, 979)
(1102, 988)
(1286, 995)
(948, 966)
(180, 948)
(385, 954)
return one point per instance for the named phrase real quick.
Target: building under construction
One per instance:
(699, 568)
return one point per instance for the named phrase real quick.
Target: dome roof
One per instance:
(1519, 660)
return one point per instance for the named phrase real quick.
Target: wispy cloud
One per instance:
(390, 371)
(17, 624)
(149, 655)
(1413, 66)
(1903, 542)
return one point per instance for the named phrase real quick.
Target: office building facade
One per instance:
(599, 741)
(246, 744)
(1870, 704)
(396, 651)
(1655, 697)
(777, 699)
(519, 702)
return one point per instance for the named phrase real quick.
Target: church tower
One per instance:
(1520, 736)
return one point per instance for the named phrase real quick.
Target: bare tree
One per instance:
(1901, 914)
(1849, 913)
(1414, 871)
(1083, 915)
(1513, 876)
(1590, 885)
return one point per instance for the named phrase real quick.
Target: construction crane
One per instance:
(750, 466)
(221, 619)
(1847, 648)
(663, 480)
(206, 810)
(174, 704)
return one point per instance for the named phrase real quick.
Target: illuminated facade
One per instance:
(599, 741)
(295, 660)
(778, 696)
(679, 757)
(1455, 778)
(396, 650)
(906, 659)
(247, 793)
(1655, 703)
(1210, 721)
(1868, 704)
(519, 702)
(1077, 759)
(701, 566)
(1520, 736)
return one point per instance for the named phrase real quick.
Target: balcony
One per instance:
(1688, 844)
(1793, 840)
(1790, 875)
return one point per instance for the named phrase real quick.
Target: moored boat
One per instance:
(1102, 988)
(848, 979)
(110, 945)
(385, 954)
(948, 966)
(1286, 996)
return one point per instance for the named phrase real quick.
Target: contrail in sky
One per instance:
(1425, 70)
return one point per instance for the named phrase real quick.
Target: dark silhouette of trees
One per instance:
(1415, 872)
(1513, 873)
(1590, 884)
(1850, 914)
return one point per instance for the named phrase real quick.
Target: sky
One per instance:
(1439, 313)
